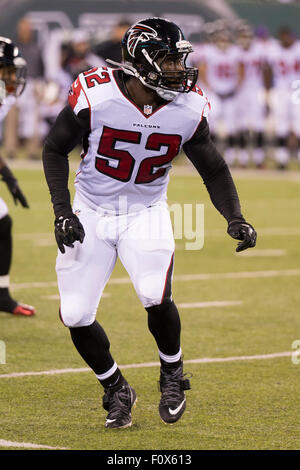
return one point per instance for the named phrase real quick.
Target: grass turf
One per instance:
(232, 405)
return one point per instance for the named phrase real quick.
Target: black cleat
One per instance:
(172, 385)
(118, 401)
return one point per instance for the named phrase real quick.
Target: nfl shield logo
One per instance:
(147, 109)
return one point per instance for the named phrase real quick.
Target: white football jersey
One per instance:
(128, 153)
(222, 67)
(5, 106)
(285, 63)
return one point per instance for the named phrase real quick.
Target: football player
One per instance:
(12, 83)
(284, 60)
(132, 122)
(251, 103)
(221, 73)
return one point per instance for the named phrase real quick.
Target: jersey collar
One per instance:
(118, 75)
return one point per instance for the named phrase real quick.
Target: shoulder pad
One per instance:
(86, 91)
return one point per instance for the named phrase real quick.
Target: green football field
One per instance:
(239, 314)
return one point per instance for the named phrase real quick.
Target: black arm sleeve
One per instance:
(214, 171)
(67, 132)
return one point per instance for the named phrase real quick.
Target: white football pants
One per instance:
(250, 109)
(223, 114)
(145, 245)
(285, 113)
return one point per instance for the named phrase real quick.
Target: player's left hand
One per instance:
(244, 232)
(68, 229)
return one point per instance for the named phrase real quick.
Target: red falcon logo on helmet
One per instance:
(139, 33)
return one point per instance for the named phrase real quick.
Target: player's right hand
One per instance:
(68, 229)
(13, 186)
(17, 194)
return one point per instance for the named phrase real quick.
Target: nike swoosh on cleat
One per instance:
(108, 421)
(174, 412)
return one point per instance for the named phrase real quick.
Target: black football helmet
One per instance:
(157, 38)
(12, 68)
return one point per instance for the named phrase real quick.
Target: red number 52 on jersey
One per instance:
(146, 171)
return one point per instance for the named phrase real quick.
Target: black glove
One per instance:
(242, 231)
(68, 229)
(13, 186)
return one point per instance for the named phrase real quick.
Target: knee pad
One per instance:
(155, 288)
(149, 289)
(152, 290)
(74, 313)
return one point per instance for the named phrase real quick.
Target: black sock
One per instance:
(115, 380)
(170, 365)
(93, 345)
(231, 140)
(258, 140)
(243, 139)
(164, 324)
(7, 303)
(5, 244)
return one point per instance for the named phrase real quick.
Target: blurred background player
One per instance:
(12, 83)
(221, 74)
(111, 47)
(284, 62)
(21, 124)
(68, 54)
(79, 57)
(251, 98)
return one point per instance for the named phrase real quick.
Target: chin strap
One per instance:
(126, 67)
(167, 95)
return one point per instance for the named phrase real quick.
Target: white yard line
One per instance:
(216, 303)
(206, 360)
(33, 285)
(237, 275)
(45, 372)
(27, 445)
(247, 173)
(203, 360)
(57, 297)
(261, 253)
(180, 277)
